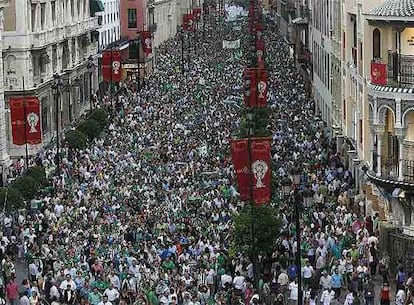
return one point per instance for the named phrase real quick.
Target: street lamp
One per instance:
(91, 67)
(286, 187)
(57, 85)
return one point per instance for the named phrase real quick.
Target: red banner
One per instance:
(106, 66)
(116, 66)
(146, 42)
(240, 156)
(262, 87)
(259, 27)
(250, 86)
(188, 23)
(197, 13)
(25, 120)
(378, 74)
(260, 45)
(261, 170)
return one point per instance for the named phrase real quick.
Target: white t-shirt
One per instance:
(327, 297)
(283, 279)
(293, 287)
(307, 272)
(238, 282)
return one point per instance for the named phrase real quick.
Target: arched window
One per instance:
(376, 43)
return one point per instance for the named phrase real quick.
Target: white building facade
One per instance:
(110, 30)
(4, 155)
(43, 38)
(325, 43)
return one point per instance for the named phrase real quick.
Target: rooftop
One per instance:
(394, 8)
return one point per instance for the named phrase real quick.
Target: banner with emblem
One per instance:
(378, 74)
(240, 156)
(197, 13)
(262, 87)
(188, 22)
(146, 42)
(106, 66)
(250, 87)
(116, 66)
(25, 120)
(261, 170)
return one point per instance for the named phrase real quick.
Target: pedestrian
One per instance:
(12, 292)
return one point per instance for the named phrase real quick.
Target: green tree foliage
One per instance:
(256, 229)
(90, 128)
(260, 122)
(100, 116)
(26, 186)
(38, 173)
(14, 200)
(76, 139)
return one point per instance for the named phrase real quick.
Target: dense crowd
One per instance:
(144, 214)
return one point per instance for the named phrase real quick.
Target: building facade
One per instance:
(42, 39)
(327, 64)
(5, 161)
(110, 30)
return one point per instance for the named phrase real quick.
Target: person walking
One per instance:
(12, 292)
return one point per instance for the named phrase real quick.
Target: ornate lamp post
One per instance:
(57, 86)
(91, 67)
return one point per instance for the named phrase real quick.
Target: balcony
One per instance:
(397, 72)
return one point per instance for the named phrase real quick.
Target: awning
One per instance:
(96, 6)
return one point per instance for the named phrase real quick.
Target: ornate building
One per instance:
(43, 38)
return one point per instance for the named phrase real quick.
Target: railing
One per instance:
(400, 69)
(390, 169)
(408, 170)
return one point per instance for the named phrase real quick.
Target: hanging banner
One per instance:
(33, 130)
(235, 44)
(188, 23)
(261, 170)
(378, 74)
(106, 66)
(259, 27)
(250, 86)
(240, 157)
(146, 42)
(260, 59)
(260, 45)
(25, 122)
(262, 87)
(197, 13)
(116, 66)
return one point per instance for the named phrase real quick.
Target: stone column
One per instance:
(76, 50)
(4, 155)
(400, 133)
(59, 57)
(70, 50)
(379, 131)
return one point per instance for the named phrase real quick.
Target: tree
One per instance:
(256, 229)
(26, 186)
(90, 128)
(38, 173)
(100, 116)
(14, 200)
(76, 139)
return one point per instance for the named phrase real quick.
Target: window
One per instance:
(53, 4)
(43, 15)
(54, 57)
(33, 17)
(132, 18)
(376, 43)
(72, 9)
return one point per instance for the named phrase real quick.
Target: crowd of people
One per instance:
(144, 215)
